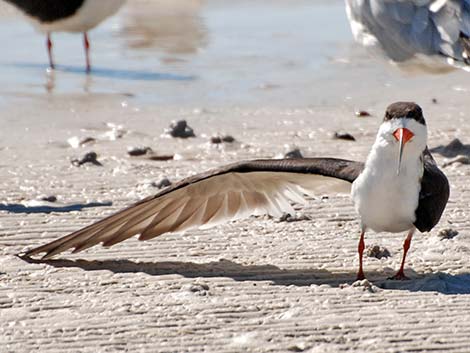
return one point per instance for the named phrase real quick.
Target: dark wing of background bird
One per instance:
(231, 192)
(48, 10)
(433, 195)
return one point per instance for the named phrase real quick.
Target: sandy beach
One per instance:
(273, 82)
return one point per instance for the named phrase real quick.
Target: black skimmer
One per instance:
(67, 16)
(414, 32)
(399, 188)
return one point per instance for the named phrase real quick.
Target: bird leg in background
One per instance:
(86, 45)
(400, 275)
(49, 50)
(360, 250)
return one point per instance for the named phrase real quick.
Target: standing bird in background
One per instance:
(67, 16)
(399, 188)
(417, 31)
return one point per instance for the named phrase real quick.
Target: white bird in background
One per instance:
(414, 31)
(399, 188)
(67, 16)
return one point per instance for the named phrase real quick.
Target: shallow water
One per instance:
(180, 52)
(198, 54)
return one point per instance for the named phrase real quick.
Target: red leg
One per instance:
(49, 50)
(360, 251)
(86, 45)
(400, 275)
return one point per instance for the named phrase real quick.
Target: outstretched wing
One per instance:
(231, 192)
(433, 195)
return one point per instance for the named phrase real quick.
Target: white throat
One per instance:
(384, 200)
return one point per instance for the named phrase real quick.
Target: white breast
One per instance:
(87, 17)
(384, 200)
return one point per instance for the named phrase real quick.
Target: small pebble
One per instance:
(76, 141)
(287, 217)
(295, 153)
(167, 157)
(162, 183)
(220, 139)
(378, 252)
(299, 347)
(138, 151)
(344, 136)
(50, 198)
(362, 113)
(216, 140)
(117, 131)
(197, 288)
(90, 157)
(180, 129)
(434, 100)
(447, 233)
(228, 139)
(366, 286)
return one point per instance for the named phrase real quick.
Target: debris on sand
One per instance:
(49, 198)
(216, 139)
(344, 136)
(162, 183)
(287, 217)
(200, 289)
(162, 158)
(434, 100)
(295, 153)
(138, 151)
(378, 252)
(116, 132)
(453, 149)
(180, 129)
(447, 233)
(363, 285)
(90, 157)
(362, 113)
(298, 347)
(461, 159)
(76, 141)
(221, 139)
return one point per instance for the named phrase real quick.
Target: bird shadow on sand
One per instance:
(119, 74)
(20, 208)
(438, 282)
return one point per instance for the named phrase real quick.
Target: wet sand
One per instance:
(256, 285)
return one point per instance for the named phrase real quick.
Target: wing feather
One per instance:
(231, 192)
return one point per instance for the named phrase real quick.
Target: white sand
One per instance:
(255, 285)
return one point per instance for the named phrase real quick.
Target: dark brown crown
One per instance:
(406, 110)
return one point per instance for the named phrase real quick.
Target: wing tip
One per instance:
(29, 255)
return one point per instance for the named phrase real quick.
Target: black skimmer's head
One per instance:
(404, 125)
(67, 16)
(384, 201)
(431, 35)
